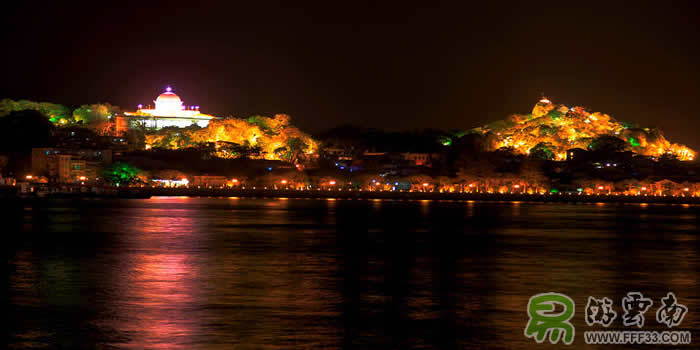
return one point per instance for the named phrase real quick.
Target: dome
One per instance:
(168, 97)
(168, 103)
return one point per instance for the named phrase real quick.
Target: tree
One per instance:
(94, 113)
(417, 182)
(365, 180)
(136, 139)
(542, 150)
(24, 130)
(607, 144)
(531, 172)
(260, 121)
(481, 173)
(296, 146)
(121, 173)
(56, 113)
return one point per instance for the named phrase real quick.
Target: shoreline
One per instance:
(145, 193)
(495, 197)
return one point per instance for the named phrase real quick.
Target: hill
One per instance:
(553, 129)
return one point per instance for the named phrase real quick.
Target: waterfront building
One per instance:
(210, 180)
(68, 166)
(169, 111)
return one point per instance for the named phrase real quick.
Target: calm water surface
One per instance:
(222, 273)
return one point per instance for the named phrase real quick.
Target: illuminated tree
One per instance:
(297, 147)
(57, 114)
(121, 173)
(285, 179)
(607, 144)
(542, 150)
(445, 140)
(533, 176)
(95, 113)
(366, 180)
(444, 183)
(417, 182)
(274, 138)
(481, 173)
(630, 186)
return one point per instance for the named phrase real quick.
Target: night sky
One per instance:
(394, 66)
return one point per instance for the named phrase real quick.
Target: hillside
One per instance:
(553, 129)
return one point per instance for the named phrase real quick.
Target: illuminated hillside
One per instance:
(553, 129)
(274, 138)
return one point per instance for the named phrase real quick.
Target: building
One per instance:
(169, 111)
(209, 180)
(422, 159)
(67, 166)
(336, 153)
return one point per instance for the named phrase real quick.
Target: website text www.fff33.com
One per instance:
(638, 337)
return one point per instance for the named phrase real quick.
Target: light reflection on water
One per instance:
(293, 273)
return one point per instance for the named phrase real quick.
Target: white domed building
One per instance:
(169, 111)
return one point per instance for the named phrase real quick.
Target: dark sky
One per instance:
(387, 65)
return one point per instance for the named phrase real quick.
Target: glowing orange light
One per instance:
(644, 188)
(686, 189)
(284, 181)
(425, 184)
(517, 186)
(234, 180)
(471, 185)
(332, 182)
(573, 128)
(29, 177)
(82, 178)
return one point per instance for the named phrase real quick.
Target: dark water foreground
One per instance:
(207, 273)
